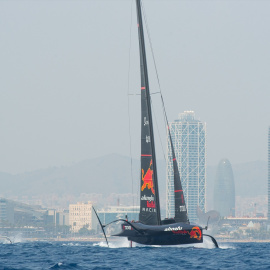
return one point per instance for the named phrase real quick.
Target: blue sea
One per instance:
(89, 255)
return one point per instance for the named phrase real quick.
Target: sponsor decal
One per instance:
(151, 210)
(182, 232)
(147, 179)
(146, 122)
(182, 208)
(127, 227)
(196, 233)
(147, 138)
(148, 198)
(169, 229)
(151, 204)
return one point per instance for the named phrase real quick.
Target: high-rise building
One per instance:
(189, 141)
(224, 191)
(268, 215)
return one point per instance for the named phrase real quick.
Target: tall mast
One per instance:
(149, 206)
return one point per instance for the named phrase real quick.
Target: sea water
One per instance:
(89, 255)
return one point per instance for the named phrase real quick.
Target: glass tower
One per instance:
(189, 140)
(224, 191)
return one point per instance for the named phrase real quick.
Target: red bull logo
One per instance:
(196, 233)
(151, 204)
(147, 179)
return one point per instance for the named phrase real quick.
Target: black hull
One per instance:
(163, 240)
(169, 234)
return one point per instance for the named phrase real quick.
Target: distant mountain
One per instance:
(100, 175)
(112, 174)
(6, 182)
(104, 175)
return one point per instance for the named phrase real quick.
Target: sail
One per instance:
(149, 198)
(179, 199)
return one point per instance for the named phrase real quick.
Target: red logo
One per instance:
(148, 179)
(196, 233)
(183, 232)
(151, 204)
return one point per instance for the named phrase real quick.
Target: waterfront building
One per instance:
(80, 216)
(189, 141)
(116, 212)
(6, 212)
(62, 218)
(20, 214)
(56, 218)
(224, 190)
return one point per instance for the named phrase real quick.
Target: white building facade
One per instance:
(80, 216)
(189, 141)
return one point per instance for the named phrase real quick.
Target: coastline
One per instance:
(243, 240)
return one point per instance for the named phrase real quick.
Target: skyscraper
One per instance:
(224, 191)
(189, 140)
(268, 215)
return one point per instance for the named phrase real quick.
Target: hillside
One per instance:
(104, 175)
(112, 174)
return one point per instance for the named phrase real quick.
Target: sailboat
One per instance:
(150, 229)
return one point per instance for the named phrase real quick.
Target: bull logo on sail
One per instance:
(196, 233)
(147, 178)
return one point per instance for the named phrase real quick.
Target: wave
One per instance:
(74, 244)
(11, 239)
(121, 243)
(124, 243)
(61, 265)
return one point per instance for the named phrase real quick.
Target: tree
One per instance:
(84, 231)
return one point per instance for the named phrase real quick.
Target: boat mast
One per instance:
(148, 155)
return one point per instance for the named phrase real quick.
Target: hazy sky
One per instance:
(64, 77)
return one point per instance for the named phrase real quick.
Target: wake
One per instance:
(124, 243)
(11, 239)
